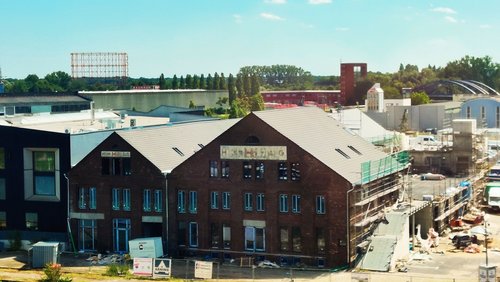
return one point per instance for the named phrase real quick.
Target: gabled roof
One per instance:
(168, 146)
(324, 138)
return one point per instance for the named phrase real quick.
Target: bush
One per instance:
(53, 273)
(116, 269)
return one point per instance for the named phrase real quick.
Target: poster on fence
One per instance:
(162, 268)
(143, 266)
(203, 269)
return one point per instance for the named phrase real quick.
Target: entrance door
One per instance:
(121, 234)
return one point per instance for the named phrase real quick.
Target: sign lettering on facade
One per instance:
(143, 266)
(277, 153)
(162, 268)
(115, 154)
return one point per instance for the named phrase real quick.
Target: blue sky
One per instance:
(206, 36)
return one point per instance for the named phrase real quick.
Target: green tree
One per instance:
(203, 82)
(256, 102)
(175, 82)
(189, 81)
(390, 92)
(191, 104)
(222, 82)
(246, 85)
(182, 83)
(162, 82)
(215, 83)
(240, 107)
(210, 82)
(59, 79)
(419, 98)
(231, 89)
(239, 85)
(19, 86)
(254, 85)
(196, 82)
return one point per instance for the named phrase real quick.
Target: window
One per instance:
(259, 170)
(87, 235)
(247, 170)
(296, 203)
(31, 221)
(214, 200)
(126, 199)
(283, 203)
(282, 171)
(41, 174)
(225, 169)
(254, 238)
(193, 201)
(116, 198)
(296, 239)
(181, 233)
(226, 236)
(181, 201)
(178, 151)
(82, 198)
(354, 150)
(44, 173)
(158, 200)
(260, 202)
(116, 166)
(320, 205)
(2, 158)
(320, 240)
(284, 239)
(146, 200)
(248, 197)
(193, 234)
(3, 220)
(342, 153)
(2, 189)
(215, 235)
(226, 200)
(214, 169)
(92, 198)
(295, 172)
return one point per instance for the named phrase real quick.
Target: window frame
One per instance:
(158, 200)
(260, 204)
(282, 171)
(115, 199)
(126, 199)
(224, 167)
(247, 170)
(146, 200)
(226, 200)
(214, 200)
(181, 201)
(248, 201)
(259, 170)
(193, 236)
(296, 203)
(283, 203)
(193, 202)
(214, 169)
(29, 175)
(320, 204)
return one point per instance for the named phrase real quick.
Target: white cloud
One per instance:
(444, 10)
(342, 29)
(271, 17)
(308, 26)
(275, 1)
(319, 2)
(237, 18)
(450, 19)
(485, 26)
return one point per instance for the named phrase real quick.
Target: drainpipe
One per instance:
(70, 235)
(166, 173)
(348, 219)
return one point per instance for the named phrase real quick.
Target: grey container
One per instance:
(44, 253)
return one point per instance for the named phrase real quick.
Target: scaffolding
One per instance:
(100, 65)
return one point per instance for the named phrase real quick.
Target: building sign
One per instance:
(203, 269)
(277, 153)
(162, 268)
(115, 154)
(143, 266)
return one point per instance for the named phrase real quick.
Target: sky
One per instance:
(207, 36)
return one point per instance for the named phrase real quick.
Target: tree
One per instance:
(256, 102)
(239, 108)
(231, 88)
(390, 92)
(222, 82)
(239, 85)
(189, 82)
(196, 82)
(191, 104)
(182, 83)
(210, 82)
(419, 98)
(215, 83)
(203, 84)
(175, 83)
(246, 85)
(162, 82)
(254, 85)
(59, 79)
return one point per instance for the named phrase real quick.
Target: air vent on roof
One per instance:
(178, 151)
(342, 153)
(201, 145)
(354, 149)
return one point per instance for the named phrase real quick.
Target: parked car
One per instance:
(432, 176)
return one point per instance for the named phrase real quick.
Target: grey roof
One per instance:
(320, 135)
(24, 99)
(157, 143)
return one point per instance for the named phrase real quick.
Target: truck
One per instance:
(493, 173)
(491, 194)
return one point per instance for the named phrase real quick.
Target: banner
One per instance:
(203, 269)
(143, 266)
(162, 268)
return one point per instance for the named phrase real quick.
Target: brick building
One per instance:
(299, 97)
(118, 190)
(284, 185)
(350, 73)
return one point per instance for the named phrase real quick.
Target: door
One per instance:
(121, 234)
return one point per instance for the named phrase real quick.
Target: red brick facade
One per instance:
(349, 74)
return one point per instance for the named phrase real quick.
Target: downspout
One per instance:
(348, 219)
(166, 173)
(70, 235)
